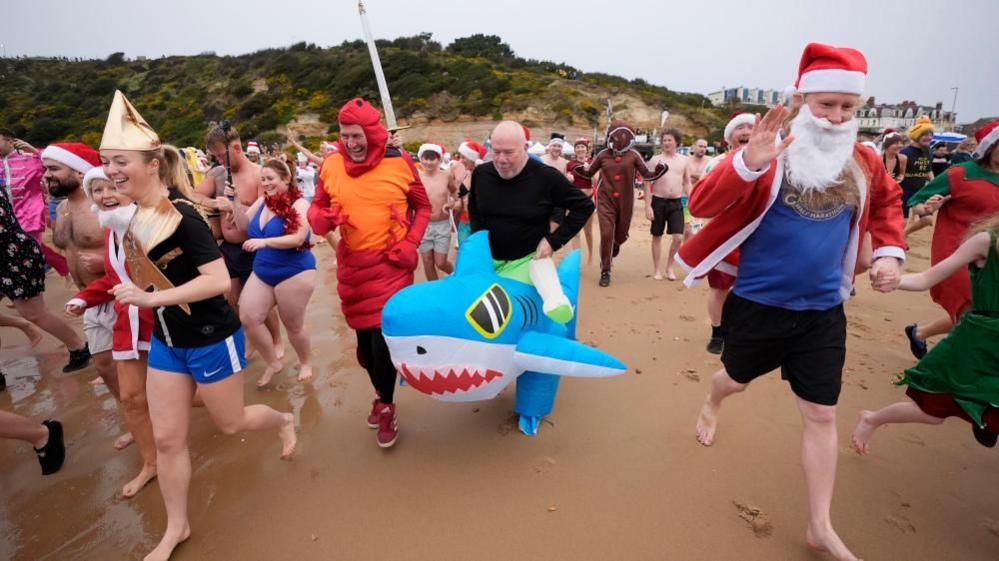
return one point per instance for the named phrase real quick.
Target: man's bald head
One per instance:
(509, 148)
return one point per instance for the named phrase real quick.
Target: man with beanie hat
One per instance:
(373, 193)
(919, 169)
(797, 201)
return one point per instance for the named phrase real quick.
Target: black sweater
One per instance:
(517, 211)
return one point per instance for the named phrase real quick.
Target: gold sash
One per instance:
(148, 228)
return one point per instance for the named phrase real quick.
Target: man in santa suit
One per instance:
(797, 201)
(132, 326)
(722, 277)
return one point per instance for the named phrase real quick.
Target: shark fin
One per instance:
(475, 256)
(550, 354)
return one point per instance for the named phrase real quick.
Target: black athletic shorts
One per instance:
(808, 346)
(239, 262)
(667, 216)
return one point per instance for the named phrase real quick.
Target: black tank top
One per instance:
(893, 173)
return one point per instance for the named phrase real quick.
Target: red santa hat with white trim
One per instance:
(825, 68)
(986, 136)
(430, 147)
(76, 155)
(95, 174)
(252, 147)
(472, 150)
(734, 123)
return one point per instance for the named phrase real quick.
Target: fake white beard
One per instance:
(117, 219)
(820, 151)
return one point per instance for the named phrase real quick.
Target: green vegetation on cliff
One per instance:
(44, 100)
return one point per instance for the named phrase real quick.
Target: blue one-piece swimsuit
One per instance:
(276, 265)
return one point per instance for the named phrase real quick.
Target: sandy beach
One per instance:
(615, 474)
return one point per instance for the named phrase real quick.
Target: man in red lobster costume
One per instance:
(374, 195)
(619, 163)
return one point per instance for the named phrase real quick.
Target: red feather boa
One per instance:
(283, 206)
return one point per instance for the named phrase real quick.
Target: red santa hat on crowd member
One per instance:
(736, 120)
(429, 147)
(252, 147)
(581, 140)
(887, 131)
(986, 136)
(825, 68)
(76, 155)
(95, 174)
(527, 132)
(472, 150)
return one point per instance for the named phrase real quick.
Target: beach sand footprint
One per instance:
(992, 526)
(901, 523)
(543, 465)
(755, 518)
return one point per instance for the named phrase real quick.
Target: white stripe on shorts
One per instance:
(230, 344)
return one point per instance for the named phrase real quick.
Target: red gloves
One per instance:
(403, 255)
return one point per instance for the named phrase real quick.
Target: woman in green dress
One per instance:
(959, 377)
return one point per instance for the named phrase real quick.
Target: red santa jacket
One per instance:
(736, 200)
(133, 326)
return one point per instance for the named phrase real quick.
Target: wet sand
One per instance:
(614, 474)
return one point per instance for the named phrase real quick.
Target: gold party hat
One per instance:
(126, 129)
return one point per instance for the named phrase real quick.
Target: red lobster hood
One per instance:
(360, 112)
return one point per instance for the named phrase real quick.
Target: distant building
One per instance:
(970, 128)
(746, 96)
(876, 117)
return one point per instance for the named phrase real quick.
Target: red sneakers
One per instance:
(388, 426)
(373, 416)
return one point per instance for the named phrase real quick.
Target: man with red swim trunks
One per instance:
(374, 195)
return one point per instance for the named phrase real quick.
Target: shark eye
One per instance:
(420, 350)
(490, 313)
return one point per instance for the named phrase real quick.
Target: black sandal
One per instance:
(52, 455)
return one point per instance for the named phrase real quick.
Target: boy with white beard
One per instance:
(797, 201)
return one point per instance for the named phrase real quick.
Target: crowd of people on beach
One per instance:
(188, 262)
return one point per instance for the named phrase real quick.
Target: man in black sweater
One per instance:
(512, 197)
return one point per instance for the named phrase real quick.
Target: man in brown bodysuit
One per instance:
(618, 164)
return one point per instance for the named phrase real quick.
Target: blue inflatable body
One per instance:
(468, 336)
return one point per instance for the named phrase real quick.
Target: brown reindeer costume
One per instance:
(619, 163)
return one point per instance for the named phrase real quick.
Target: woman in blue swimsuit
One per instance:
(284, 269)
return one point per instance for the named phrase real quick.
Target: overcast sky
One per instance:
(916, 49)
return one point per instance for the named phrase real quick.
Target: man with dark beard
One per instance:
(797, 201)
(78, 234)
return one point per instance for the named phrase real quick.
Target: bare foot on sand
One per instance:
(98, 381)
(265, 378)
(171, 539)
(862, 434)
(124, 441)
(707, 422)
(304, 373)
(826, 541)
(132, 488)
(658, 276)
(670, 275)
(288, 437)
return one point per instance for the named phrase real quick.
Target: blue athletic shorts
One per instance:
(207, 364)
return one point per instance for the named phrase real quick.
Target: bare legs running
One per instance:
(170, 410)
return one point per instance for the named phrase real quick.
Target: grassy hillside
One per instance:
(474, 78)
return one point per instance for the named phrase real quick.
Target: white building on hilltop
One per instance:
(876, 117)
(746, 96)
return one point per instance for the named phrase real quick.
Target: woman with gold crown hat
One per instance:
(197, 340)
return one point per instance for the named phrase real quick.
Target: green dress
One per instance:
(966, 363)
